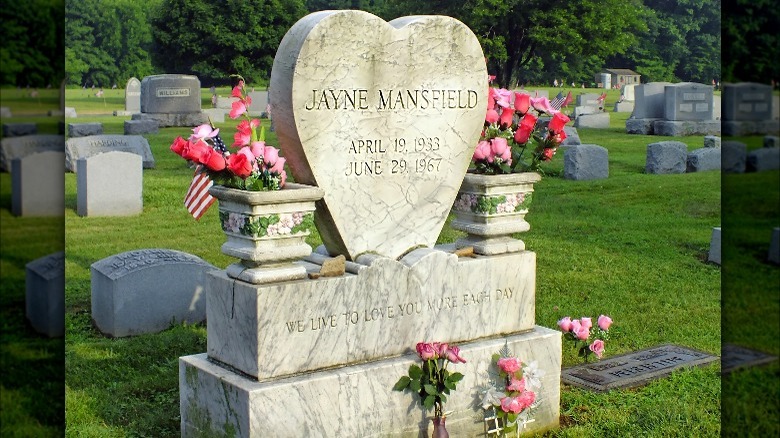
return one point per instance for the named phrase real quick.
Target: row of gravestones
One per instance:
(131, 127)
(669, 157)
(135, 292)
(663, 108)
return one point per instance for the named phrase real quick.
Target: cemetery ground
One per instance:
(633, 246)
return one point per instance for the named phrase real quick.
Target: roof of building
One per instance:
(621, 71)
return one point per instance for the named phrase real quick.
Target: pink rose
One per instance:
(203, 131)
(257, 148)
(509, 364)
(440, 348)
(575, 325)
(522, 102)
(278, 167)
(597, 347)
(502, 97)
(247, 152)
(500, 148)
(543, 104)
(511, 404)
(516, 385)
(425, 351)
(604, 322)
(237, 91)
(453, 355)
(565, 324)
(480, 153)
(270, 155)
(582, 333)
(282, 179)
(586, 322)
(547, 154)
(491, 116)
(237, 108)
(526, 399)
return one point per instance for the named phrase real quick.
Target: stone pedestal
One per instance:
(320, 357)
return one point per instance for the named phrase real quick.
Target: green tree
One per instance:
(751, 47)
(213, 39)
(525, 39)
(32, 49)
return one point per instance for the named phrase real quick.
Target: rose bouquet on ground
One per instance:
(514, 139)
(433, 381)
(581, 331)
(512, 395)
(253, 165)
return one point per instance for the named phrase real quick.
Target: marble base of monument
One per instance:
(740, 128)
(624, 107)
(165, 120)
(381, 311)
(687, 127)
(357, 400)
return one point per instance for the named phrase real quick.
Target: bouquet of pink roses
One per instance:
(511, 127)
(253, 166)
(514, 394)
(580, 331)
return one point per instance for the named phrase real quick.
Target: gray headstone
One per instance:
(19, 129)
(70, 112)
(5, 112)
(734, 357)
(170, 94)
(587, 99)
(138, 127)
(572, 137)
(666, 157)
(681, 128)
(774, 246)
(627, 91)
(45, 294)
(585, 109)
(634, 369)
(216, 115)
(715, 244)
(145, 291)
(623, 107)
(762, 159)
(700, 160)
(711, 141)
(84, 129)
(649, 103)
(109, 184)
(733, 156)
(259, 101)
(747, 101)
(174, 119)
(585, 162)
(19, 147)
(225, 102)
(133, 95)
(716, 107)
(771, 141)
(688, 101)
(38, 184)
(84, 147)
(598, 120)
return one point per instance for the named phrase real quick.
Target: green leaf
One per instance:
(401, 384)
(442, 398)
(415, 372)
(430, 389)
(415, 385)
(429, 401)
(456, 377)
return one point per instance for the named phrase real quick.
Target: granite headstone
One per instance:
(38, 184)
(109, 184)
(84, 147)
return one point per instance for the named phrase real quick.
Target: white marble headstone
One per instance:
(384, 117)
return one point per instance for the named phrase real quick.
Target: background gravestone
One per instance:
(84, 129)
(714, 255)
(733, 156)
(84, 147)
(762, 159)
(704, 159)
(688, 101)
(171, 100)
(585, 162)
(45, 294)
(147, 290)
(19, 147)
(38, 184)
(748, 109)
(133, 96)
(665, 157)
(649, 100)
(19, 129)
(598, 120)
(588, 99)
(109, 184)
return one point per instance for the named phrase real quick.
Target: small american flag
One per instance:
(558, 101)
(198, 200)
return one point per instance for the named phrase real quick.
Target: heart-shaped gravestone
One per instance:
(384, 117)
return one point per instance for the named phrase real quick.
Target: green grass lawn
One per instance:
(633, 246)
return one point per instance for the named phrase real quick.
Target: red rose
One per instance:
(557, 122)
(506, 116)
(523, 132)
(522, 102)
(214, 160)
(195, 151)
(178, 145)
(240, 165)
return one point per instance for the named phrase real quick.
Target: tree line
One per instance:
(108, 41)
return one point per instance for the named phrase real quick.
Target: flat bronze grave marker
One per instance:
(735, 356)
(634, 369)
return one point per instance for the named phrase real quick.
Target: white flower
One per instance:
(533, 376)
(492, 397)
